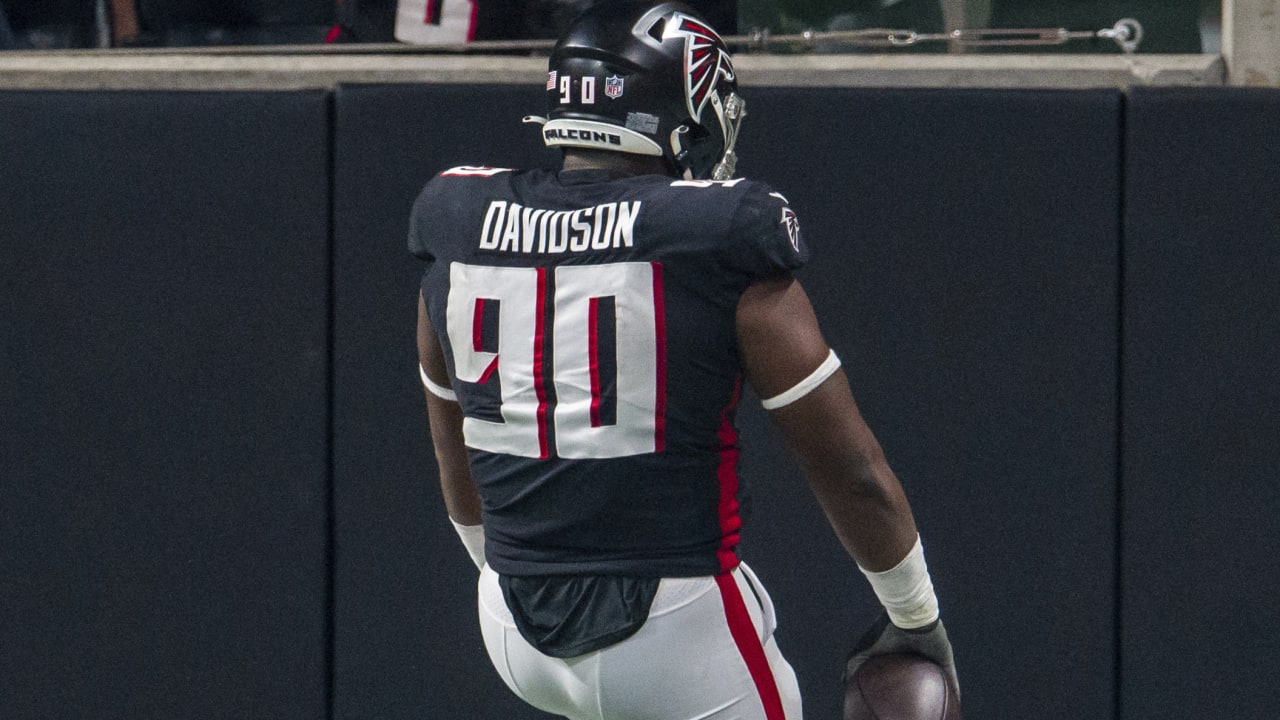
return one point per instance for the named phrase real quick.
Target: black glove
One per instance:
(884, 638)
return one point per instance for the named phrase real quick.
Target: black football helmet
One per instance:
(646, 79)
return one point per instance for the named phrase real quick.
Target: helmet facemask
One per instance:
(730, 113)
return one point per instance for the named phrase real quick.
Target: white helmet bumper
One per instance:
(572, 132)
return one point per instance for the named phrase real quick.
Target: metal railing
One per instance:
(1126, 33)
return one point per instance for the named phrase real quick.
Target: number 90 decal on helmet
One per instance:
(646, 79)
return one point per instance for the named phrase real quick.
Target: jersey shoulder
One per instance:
(465, 180)
(474, 171)
(447, 197)
(762, 235)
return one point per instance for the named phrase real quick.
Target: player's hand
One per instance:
(884, 638)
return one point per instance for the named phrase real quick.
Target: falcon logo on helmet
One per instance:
(705, 60)
(669, 87)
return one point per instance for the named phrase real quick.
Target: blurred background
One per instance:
(1174, 26)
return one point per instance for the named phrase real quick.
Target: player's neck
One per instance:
(614, 162)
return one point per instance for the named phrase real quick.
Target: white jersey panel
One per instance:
(517, 291)
(631, 286)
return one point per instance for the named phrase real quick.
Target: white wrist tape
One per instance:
(805, 386)
(473, 540)
(906, 591)
(439, 391)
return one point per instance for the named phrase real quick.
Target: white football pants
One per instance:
(706, 653)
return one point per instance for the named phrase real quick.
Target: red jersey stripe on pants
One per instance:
(748, 641)
(710, 661)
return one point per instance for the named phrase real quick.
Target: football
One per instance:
(900, 687)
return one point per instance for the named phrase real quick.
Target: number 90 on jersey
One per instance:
(605, 353)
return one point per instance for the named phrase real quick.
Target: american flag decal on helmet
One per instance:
(705, 60)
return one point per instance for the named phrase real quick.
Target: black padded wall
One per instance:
(965, 247)
(180, 267)
(164, 423)
(964, 271)
(407, 641)
(1201, 403)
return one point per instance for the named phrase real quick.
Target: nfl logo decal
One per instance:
(613, 87)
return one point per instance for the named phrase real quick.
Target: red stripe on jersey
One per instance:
(429, 17)
(471, 28)
(593, 353)
(477, 326)
(477, 342)
(660, 334)
(748, 642)
(539, 383)
(727, 475)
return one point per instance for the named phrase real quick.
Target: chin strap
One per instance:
(678, 152)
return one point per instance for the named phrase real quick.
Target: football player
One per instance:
(584, 333)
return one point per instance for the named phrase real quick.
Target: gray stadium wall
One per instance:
(1058, 310)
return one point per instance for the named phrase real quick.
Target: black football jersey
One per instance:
(588, 327)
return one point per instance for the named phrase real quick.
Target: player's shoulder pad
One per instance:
(442, 195)
(709, 184)
(742, 193)
(751, 191)
(756, 199)
(765, 223)
(474, 171)
(449, 186)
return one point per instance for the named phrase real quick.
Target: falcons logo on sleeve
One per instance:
(792, 224)
(704, 60)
